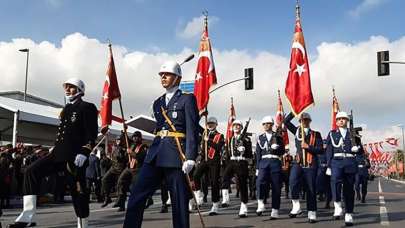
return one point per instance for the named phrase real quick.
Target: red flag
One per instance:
(298, 86)
(111, 91)
(205, 74)
(280, 121)
(335, 110)
(232, 117)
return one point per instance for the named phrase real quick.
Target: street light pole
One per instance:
(26, 72)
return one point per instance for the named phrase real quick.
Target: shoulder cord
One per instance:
(334, 143)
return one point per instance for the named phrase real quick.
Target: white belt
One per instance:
(238, 158)
(361, 166)
(343, 155)
(271, 156)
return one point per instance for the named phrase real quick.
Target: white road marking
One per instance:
(383, 209)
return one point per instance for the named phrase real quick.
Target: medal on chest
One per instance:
(73, 118)
(174, 113)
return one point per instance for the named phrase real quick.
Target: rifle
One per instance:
(244, 131)
(354, 131)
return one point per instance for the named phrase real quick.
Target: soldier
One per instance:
(74, 141)
(323, 180)
(341, 152)
(93, 175)
(362, 177)
(137, 153)
(210, 164)
(119, 159)
(239, 150)
(304, 168)
(269, 149)
(285, 172)
(177, 123)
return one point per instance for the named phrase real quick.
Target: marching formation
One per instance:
(186, 159)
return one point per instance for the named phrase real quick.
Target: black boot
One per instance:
(321, 197)
(358, 196)
(363, 199)
(107, 201)
(164, 209)
(327, 204)
(149, 203)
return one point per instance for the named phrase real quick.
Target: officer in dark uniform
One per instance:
(177, 122)
(93, 175)
(119, 159)
(210, 164)
(304, 168)
(75, 138)
(286, 164)
(323, 180)
(362, 177)
(238, 152)
(342, 148)
(269, 149)
(137, 153)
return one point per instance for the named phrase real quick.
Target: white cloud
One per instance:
(365, 6)
(194, 27)
(350, 67)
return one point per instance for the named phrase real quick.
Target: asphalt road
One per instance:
(385, 206)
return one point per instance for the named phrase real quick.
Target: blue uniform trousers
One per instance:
(343, 174)
(150, 178)
(300, 175)
(270, 174)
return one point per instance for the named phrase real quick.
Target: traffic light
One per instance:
(383, 66)
(248, 78)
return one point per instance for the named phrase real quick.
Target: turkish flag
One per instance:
(231, 118)
(111, 91)
(205, 74)
(335, 110)
(279, 121)
(298, 86)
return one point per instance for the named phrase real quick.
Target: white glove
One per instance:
(328, 172)
(274, 146)
(355, 149)
(241, 149)
(79, 160)
(188, 166)
(257, 172)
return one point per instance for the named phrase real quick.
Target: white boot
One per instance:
(296, 209)
(214, 209)
(169, 201)
(312, 216)
(225, 198)
(260, 207)
(190, 204)
(82, 223)
(243, 210)
(338, 210)
(199, 197)
(274, 214)
(29, 210)
(349, 219)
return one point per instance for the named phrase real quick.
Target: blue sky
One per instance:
(151, 24)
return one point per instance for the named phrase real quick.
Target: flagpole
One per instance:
(124, 125)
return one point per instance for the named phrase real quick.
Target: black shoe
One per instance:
(164, 209)
(358, 196)
(273, 218)
(242, 216)
(363, 200)
(149, 203)
(21, 225)
(260, 213)
(224, 205)
(327, 205)
(336, 217)
(212, 213)
(312, 221)
(120, 209)
(205, 199)
(348, 223)
(295, 215)
(106, 202)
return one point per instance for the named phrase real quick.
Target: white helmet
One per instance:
(267, 119)
(170, 67)
(237, 122)
(342, 115)
(76, 82)
(212, 120)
